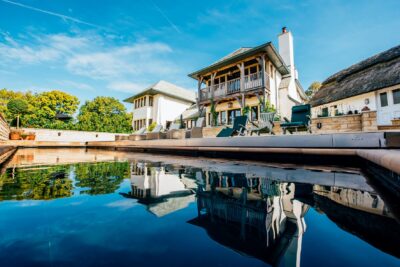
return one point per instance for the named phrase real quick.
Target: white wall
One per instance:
(70, 136)
(168, 108)
(344, 105)
(142, 113)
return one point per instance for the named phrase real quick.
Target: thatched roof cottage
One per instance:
(372, 84)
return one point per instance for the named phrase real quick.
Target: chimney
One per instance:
(285, 40)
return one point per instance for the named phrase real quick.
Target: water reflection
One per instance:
(163, 191)
(255, 210)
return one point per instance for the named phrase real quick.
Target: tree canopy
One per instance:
(104, 114)
(48, 104)
(313, 88)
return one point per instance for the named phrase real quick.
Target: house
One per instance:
(161, 190)
(162, 102)
(249, 77)
(190, 116)
(371, 85)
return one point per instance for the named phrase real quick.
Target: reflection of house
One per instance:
(255, 216)
(162, 191)
(249, 76)
(161, 103)
(372, 84)
(361, 213)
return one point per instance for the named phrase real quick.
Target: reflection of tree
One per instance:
(43, 183)
(101, 178)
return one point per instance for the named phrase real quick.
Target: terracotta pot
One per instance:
(15, 136)
(31, 137)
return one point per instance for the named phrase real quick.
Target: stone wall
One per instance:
(70, 136)
(368, 120)
(364, 122)
(4, 129)
(212, 131)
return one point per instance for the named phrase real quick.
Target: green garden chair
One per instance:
(239, 127)
(300, 121)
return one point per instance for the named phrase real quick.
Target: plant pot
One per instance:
(15, 136)
(31, 136)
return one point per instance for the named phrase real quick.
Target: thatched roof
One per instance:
(377, 72)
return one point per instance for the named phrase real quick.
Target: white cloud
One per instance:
(126, 87)
(122, 204)
(92, 56)
(75, 85)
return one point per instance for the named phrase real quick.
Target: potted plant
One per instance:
(24, 136)
(31, 136)
(15, 134)
(17, 107)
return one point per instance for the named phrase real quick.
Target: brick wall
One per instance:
(4, 129)
(364, 122)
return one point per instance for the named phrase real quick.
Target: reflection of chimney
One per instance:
(286, 49)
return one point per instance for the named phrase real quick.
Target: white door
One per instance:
(388, 106)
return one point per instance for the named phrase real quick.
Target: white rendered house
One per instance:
(251, 76)
(161, 103)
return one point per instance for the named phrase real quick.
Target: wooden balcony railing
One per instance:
(250, 82)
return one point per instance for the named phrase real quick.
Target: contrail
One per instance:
(55, 14)
(166, 17)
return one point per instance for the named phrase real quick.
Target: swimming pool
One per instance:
(63, 207)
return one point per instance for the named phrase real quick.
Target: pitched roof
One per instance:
(379, 71)
(241, 54)
(234, 53)
(165, 88)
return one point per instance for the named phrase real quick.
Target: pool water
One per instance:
(105, 208)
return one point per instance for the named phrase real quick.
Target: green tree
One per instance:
(101, 177)
(47, 105)
(104, 114)
(17, 107)
(7, 95)
(313, 88)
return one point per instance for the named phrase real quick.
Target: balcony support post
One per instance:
(212, 84)
(199, 82)
(241, 68)
(261, 62)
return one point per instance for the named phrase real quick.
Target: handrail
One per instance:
(250, 81)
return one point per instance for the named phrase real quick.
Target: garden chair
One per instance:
(264, 125)
(138, 135)
(156, 133)
(175, 131)
(239, 127)
(197, 130)
(300, 121)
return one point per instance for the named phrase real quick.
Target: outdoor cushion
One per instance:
(293, 124)
(227, 132)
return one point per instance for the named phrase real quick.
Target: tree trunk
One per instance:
(17, 121)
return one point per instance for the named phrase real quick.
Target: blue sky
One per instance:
(115, 48)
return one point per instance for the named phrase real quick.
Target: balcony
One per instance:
(251, 83)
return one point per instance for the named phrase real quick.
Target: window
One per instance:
(325, 112)
(223, 117)
(150, 101)
(396, 96)
(384, 99)
(254, 113)
(232, 114)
